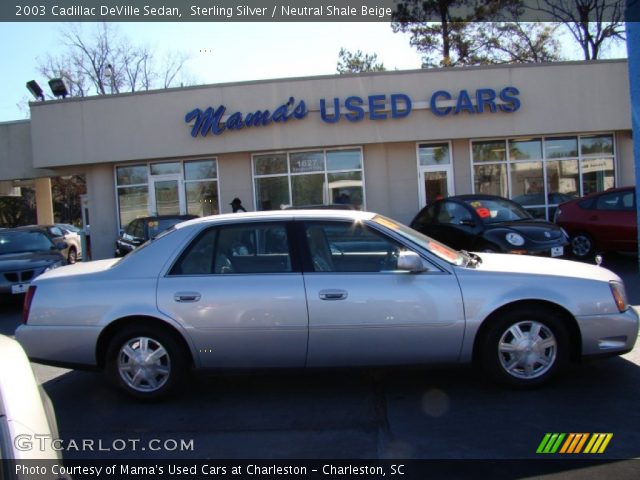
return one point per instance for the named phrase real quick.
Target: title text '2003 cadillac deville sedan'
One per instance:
(319, 289)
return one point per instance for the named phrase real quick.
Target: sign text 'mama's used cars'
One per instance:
(319, 289)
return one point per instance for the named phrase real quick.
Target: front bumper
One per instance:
(615, 333)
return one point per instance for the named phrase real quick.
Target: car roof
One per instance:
(476, 196)
(326, 214)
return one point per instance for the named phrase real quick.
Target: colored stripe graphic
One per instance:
(574, 443)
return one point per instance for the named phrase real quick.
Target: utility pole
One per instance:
(632, 17)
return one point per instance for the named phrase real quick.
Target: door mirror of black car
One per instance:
(411, 262)
(467, 222)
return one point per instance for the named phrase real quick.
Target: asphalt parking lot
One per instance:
(354, 414)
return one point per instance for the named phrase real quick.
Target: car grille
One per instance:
(16, 277)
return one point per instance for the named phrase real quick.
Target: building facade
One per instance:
(388, 142)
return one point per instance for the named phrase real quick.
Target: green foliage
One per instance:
(358, 62)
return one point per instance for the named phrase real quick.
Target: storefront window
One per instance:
(131, 175)
(165, 168)
(562, 171)
(133, 203)
(434, 154)
(317, 177)
(489, 151)
(201, 187)
(491, 179)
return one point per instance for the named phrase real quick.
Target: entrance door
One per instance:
(166, 195)
(435, 183)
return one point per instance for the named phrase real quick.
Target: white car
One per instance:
(319, 288)
(28, 424)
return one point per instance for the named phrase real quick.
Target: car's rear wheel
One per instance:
(582, 245)
(526, 347)
(146, 363)
(72, 256)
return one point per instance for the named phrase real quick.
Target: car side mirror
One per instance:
(467, 223)
(410, 262)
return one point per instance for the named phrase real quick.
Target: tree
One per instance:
(592, 23)
(471, 32)
(104, 61)
(358, 62)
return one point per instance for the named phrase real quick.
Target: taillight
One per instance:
(26, 306)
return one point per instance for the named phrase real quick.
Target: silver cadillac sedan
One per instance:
(319, 288)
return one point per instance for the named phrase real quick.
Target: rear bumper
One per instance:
(613, 334)
(60, 345)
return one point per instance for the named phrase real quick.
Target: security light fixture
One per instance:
(108, 71)
(58, 87)
(35, 90)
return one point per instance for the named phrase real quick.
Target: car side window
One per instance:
(56, 232)
(198, 257)
(253, 248)
(138, 229)
(129, 229)
(615, 201)
(452, 213)
(350, 247)
(425, 217)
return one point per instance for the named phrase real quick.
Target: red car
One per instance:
(604, 221)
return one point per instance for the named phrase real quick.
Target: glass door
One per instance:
(166, 195)
(435, 183)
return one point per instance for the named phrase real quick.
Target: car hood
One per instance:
(534, 230)
(531, 265)
(28, 260)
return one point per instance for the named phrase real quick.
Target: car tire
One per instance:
(72, 256)
(147, 363)
(582, 245)
(525, 347)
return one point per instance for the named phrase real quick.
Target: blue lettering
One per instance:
(485, 96)
(354, 105)
(512, 103)
(336, 108)
(235, 122)
(196, 114)
(300, 111)
(395, 112)
(375, 106)
(258, 119)
(464, 103)
(440, 111)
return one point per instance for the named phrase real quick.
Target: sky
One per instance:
(218, 52)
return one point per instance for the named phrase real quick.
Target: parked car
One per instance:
(25, 253)
(27, 419)
(605, 221)
(332, 288)
(142, 229)
(489, 223)
(73, 251)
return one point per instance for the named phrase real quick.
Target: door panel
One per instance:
(363, 311)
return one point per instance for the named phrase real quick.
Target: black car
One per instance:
(145, 228)
(490, 224)
(25, 253)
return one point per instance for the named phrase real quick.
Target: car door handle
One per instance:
(187, 297)
(333, 294)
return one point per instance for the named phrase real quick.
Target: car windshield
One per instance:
(440, 250)
(495, 210)
(21, 242)
(69, 227)
(137, 250)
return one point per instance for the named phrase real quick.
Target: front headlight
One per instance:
(52, 266)
(619, 295)
(515, 239)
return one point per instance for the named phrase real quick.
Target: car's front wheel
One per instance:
(582, 245)
(526, 347)
(146, 363)
(72, 256)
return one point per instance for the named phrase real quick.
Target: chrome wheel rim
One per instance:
(527, 350)
(581, 245)
(144, 364)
